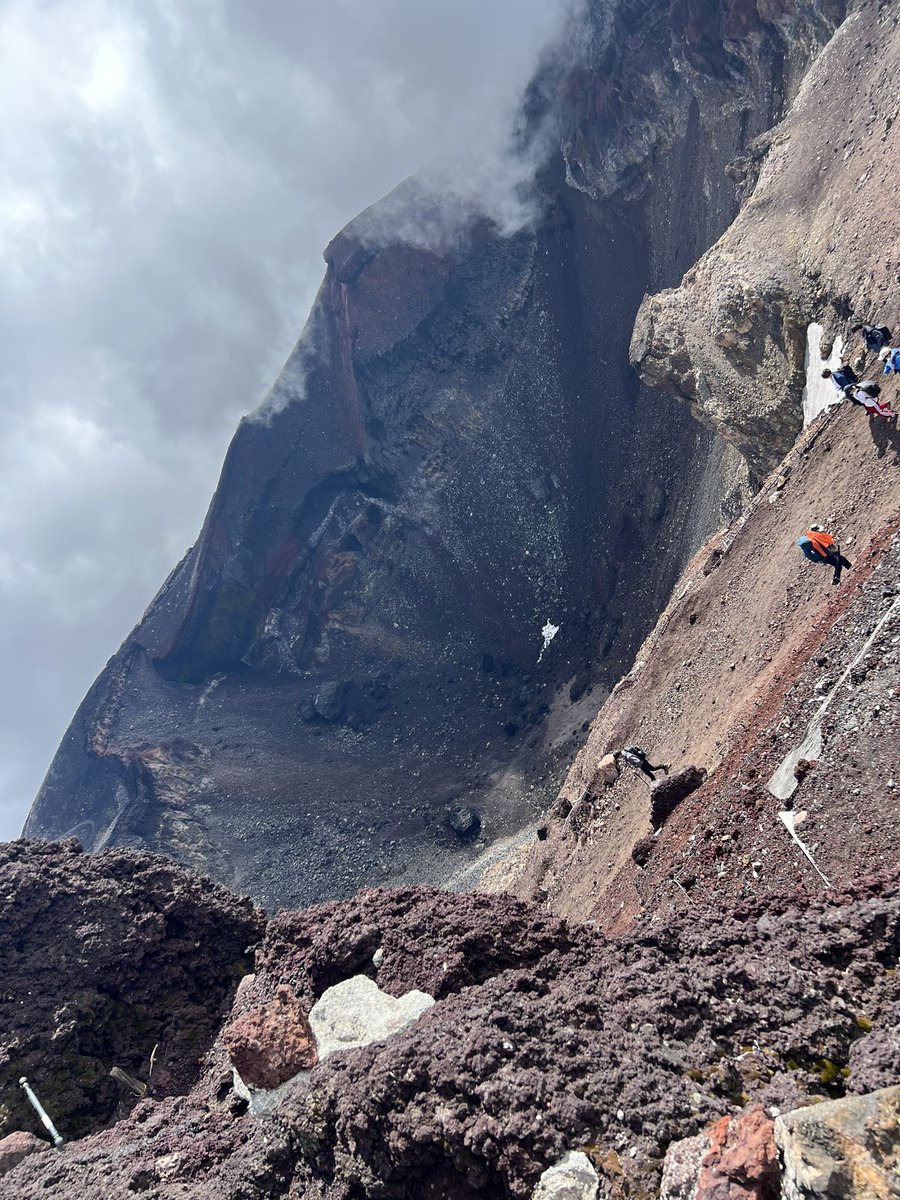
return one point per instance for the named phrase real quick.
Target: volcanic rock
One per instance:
(330, 700)
(667, 793)
(464, 821)
(572, 1178)
(543, 1036)
(357, 1012)
(846, 1150)
(107, 956)
(269, 1045)
(16, 1146)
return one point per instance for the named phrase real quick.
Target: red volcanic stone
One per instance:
(742, 1161)
(17, 1146)
(269, 1045)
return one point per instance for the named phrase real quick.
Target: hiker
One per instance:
(637, 758)
(842, 376)
(874, 336)
(890, 356)
(866, 393)
(608, 769)
(820, 547)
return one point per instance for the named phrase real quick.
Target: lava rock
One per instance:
(106, 956)
(844, 1149)
(331, 699)
(666, 794)
(16, 1146)
(269, 1045)
(465, 821)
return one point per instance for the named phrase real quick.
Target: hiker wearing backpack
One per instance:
(842, 376)
(890, 356)
(866, 393)
(637, 758)
(820, 547)
(875, 337)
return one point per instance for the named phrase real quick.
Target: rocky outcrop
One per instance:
(110, 960)
(16, 1146)
(455, 455)
(844, 1150)
(736, 1159)
(270, 1044)
(544, 1038)
(572, 1178)
(356, 1012)
(667, 793)
(808, 245)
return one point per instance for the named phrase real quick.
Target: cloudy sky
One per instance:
(170, 173)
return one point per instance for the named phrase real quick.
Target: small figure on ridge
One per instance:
(637, 758)
(866, 394)
(820, 547)
(874, 336)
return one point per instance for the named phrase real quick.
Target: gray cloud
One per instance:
(169, 177)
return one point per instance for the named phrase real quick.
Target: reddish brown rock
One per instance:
(742, 1160)
(16, 1146)
(269, 1045)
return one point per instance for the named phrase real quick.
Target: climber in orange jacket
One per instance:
(819, 546)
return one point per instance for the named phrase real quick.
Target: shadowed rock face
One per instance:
(455, 452)
(104, 958)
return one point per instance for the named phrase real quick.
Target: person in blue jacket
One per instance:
(842, 376)
(890, 356)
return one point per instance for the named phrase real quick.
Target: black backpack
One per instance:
(870, 388)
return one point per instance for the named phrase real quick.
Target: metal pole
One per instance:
(39, 1109)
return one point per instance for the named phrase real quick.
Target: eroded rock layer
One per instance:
(456, 452)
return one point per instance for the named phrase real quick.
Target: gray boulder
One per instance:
(843, 1149)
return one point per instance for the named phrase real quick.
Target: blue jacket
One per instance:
(892, 362)
(843, 377)
(810, 551)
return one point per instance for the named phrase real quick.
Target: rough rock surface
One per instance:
(844, 1150)
(356, 1012)
(16, 1146)
(105, 957)
(736, 1159)
(809, 244)
(572, 1178)
(545, 1038)
(349, 624)
(270, 1044)
(667, 793)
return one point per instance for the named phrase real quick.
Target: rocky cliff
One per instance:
(544, 1037)
(456, 452)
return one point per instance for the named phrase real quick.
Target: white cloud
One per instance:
(170, 175)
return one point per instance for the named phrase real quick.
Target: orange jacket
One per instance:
(822, 542)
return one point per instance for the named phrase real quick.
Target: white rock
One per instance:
(357, 1012)
(378, 957)
(572, 1178)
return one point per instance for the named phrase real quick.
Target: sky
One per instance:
(170, 172)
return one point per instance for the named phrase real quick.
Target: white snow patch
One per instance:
(819, 393)
(548, 633)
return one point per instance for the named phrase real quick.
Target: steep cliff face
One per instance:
(455, 453)
(815, 241)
